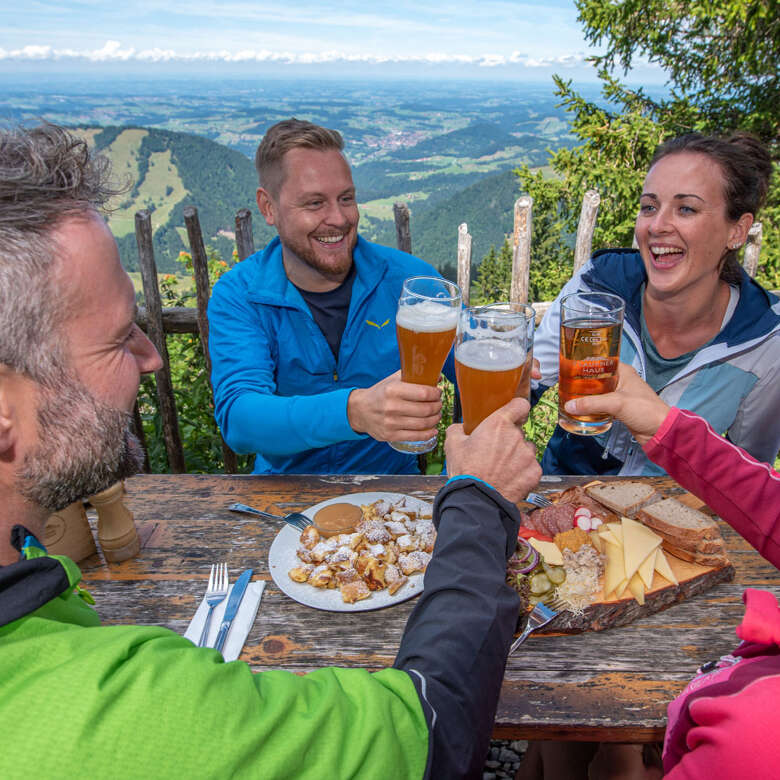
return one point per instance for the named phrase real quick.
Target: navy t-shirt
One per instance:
(330, 310)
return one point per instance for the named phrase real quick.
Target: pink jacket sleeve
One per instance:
(724, 724)
(734, 736)
(742, 491)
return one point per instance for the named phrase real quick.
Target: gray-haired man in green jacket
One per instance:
(81, 700)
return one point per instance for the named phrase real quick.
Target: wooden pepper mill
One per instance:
(117, 534)
(68, 533)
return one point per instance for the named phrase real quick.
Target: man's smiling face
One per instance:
(315, 213)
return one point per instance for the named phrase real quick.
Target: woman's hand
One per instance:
(633, 402)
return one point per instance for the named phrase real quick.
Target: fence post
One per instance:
(521, 256)
(464, 262)
(200, 266)
(585, 228)
(245, 241)
(753, 249)
(167, 405)
(403, 234)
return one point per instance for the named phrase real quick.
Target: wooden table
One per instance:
(607, 685)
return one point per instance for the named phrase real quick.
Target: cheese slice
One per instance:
(647, 567)
(607, 533)
(548, 550)
(614, 569)
(637, 588)
(598, 543)
(621, 589)
(663, 568)
(638, 543)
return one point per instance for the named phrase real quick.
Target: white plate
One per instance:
(282, 558)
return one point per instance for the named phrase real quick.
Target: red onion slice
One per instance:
(532, 564)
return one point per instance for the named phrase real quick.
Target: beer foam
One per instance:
(490, 354)
(427, 316)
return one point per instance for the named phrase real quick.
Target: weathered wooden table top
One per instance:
(606, 685)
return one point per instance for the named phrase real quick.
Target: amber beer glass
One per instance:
(490, 359)
(425, 327)
(591, 326)
(529, 315)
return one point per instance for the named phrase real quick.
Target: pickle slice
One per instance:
(540, 584)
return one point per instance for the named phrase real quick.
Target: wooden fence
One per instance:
(158, 321)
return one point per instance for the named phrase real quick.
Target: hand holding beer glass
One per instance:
(491, 355)
(425, 327)
(591, 327)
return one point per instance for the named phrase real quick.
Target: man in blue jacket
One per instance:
(305, 362)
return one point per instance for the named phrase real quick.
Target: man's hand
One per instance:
(496, 452)
(392, 410)
(633, 402)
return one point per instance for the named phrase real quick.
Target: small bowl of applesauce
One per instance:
(338, 518)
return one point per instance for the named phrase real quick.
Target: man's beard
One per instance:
(84, 447)
(304, 251)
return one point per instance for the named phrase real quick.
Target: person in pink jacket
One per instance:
(724, 724)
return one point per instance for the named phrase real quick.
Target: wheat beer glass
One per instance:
(425, 327)
(528, 313)
(591, 325)
(490, 359)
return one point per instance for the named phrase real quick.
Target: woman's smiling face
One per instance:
(682, 229)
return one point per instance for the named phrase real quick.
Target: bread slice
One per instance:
(703, 559)
(625, 497)
(676, 521)
(703, 546)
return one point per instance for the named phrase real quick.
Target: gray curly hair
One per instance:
(46, 175)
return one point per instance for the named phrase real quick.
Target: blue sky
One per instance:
(490, 38)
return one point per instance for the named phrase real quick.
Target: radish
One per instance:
(583, 522)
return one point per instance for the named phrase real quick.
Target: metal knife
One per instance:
(231, 610)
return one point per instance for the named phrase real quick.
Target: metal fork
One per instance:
(215, 592)
(295, 519)
(537, 499)
(540, 616)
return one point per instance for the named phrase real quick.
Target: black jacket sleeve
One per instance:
(456, 640)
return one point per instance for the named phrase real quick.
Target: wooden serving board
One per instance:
(692, 578)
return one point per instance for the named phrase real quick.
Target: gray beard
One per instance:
(84, 446)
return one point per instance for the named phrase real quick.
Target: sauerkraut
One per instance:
(583, 569)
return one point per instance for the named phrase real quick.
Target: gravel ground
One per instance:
(503, 758)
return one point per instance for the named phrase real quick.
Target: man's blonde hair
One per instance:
(285, 135)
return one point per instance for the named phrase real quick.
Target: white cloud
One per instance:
(112, 51)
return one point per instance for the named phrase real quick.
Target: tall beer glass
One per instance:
(529, 315)
(425, 327)
(490, 358)
(591, 326)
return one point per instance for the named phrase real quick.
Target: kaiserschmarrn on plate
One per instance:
(392, 541)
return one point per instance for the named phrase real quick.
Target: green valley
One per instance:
(448, 152)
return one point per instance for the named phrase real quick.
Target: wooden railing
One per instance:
(158, 321)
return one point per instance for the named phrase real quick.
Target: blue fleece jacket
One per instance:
(278, 390)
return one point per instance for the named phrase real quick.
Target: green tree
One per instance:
(721, 55)
(721, 59)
